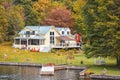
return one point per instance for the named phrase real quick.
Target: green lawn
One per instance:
(9, 54)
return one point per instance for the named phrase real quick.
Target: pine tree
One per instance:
(102, 18)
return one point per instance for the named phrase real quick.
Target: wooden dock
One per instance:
(47, 70)
(65, 67)
(76, 68)
(60, 67)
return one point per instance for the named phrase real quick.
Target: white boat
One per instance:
(47, 70)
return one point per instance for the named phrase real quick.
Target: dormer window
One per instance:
(33, 32)
(68, 32)
(62, 32)
(27, 33)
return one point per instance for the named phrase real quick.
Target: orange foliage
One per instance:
(60, 17)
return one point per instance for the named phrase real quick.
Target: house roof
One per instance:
(40, 29)
(66, 38)
(60, 28)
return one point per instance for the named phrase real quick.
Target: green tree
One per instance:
(102, 19)
(22, 2)
(68, 3)
(31, 16)
(78, 16)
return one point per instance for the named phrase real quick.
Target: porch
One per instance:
(28, 43)
(66, 45)
(66, 42)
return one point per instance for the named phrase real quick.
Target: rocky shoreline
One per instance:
(104, 77)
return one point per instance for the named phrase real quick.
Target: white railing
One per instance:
(60, 45)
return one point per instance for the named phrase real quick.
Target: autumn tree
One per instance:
(59, 17)
(78, 16)
(68, 3)
(102, 19)
(22, 2)
(42, 7)
(3, 24)
(15, 20)
(12, 19)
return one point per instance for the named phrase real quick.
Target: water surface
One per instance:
(33, 73)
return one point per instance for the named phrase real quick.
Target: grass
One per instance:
(9, 54)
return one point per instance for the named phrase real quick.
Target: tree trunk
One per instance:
(118, 60)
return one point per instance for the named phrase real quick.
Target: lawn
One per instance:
(9, 54)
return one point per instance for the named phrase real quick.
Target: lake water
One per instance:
(33, 73)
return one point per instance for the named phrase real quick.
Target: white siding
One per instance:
(65, 32)
(47, 37)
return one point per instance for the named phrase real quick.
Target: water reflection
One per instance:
(32, 73)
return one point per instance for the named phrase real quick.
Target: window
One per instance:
(51, 33)
(17, 41)
(62, 32)
(33, 32)
(68, 32)
(51, 40)
(27, 33)
(51, 37)
(34, 42)
(42, 42)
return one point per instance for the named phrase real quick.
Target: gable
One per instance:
(62, 29)
(38, 29)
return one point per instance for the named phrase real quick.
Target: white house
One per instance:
(44, 38)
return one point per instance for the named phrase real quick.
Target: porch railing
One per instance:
(66, 45)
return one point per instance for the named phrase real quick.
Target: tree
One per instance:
(78, 16)
(3, 24)
(59, 17)
(22, 2)
(102, 19)
(15, 20)
(68, 3)
(31, 16)
(42, 7)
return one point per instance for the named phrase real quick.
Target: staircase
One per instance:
(45, 49)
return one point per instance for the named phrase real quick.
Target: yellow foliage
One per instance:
(42, 5)
(88, 71)
(78, 5)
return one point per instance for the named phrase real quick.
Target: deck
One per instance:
(47, 70)
(66, 46)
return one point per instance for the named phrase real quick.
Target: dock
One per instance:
(58, 67)
(47, 70)
(65, 67)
